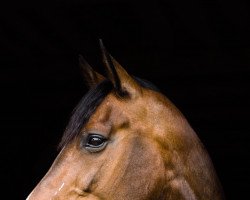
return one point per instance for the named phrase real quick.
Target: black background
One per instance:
(197, 52)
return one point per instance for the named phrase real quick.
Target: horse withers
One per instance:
(127, 141)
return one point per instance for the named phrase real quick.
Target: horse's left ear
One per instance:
(91, 77)
(124, 84)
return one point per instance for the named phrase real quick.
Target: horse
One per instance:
(127, 141)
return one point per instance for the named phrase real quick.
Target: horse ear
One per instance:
(123, 83)
(91, 77)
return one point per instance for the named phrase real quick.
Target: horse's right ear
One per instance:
(91, 77)
(123, 83)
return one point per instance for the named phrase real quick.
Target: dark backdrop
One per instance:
(197, 52)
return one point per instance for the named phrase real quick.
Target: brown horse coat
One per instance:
(136, 145)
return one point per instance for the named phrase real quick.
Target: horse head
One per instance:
(126, 140)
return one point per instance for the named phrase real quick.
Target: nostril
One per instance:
(87, 190)
(81, 193)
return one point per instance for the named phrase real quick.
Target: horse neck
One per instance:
(194, 176)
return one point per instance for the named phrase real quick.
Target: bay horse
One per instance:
(127, 141)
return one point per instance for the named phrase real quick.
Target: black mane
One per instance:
(87, 106)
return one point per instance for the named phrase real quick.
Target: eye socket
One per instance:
(95, 143)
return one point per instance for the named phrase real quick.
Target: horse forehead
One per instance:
(150, 103)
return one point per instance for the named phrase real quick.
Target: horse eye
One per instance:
(95, 143)
(94, 140)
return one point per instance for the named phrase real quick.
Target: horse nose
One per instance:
(47, 191)
(53, 186)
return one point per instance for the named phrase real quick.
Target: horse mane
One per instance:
(87, 106)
